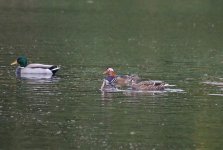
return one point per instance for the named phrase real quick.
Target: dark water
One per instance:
(174, 41)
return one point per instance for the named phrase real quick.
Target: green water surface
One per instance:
(179, 42)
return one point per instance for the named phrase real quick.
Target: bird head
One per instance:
(21, 60)
(109, 72)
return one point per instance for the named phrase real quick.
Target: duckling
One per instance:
(25, 68)
(115, 81)
(150, 85)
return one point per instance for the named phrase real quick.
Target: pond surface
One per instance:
(176, 42)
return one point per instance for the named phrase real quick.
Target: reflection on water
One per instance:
(131, 96)
(34, 76)
(214, 83)
(216, 94)
(39, 79)
(130, 92)
(217, 84)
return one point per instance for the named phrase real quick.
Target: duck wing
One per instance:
(39, 66)
(40, 69)
(157, 82)
(151, 82)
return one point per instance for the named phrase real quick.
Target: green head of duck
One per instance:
(21, 60)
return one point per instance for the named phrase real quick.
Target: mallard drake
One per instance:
(151, 85)
(24, 68)
(112, 80)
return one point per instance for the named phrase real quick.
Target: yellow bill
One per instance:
(14, 63)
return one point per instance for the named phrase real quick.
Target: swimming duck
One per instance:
(113, 81)
(24, 68)
(109, 81)
(150, 85)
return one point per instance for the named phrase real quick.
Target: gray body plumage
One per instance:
(37, 70)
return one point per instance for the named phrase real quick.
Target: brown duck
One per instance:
(113, 80)
(150, 85)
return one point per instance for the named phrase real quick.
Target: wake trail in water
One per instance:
(214, 83)
(115, 90)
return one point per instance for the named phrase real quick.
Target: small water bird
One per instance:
(109, 81)
(25, 69)
(113, 81)
(151, 85)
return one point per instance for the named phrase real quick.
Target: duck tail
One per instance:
(54, 69)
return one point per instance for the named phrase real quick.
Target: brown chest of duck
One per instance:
(123, 80)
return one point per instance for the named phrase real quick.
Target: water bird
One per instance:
(151, 85)
(34, 69)
(112, 80)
